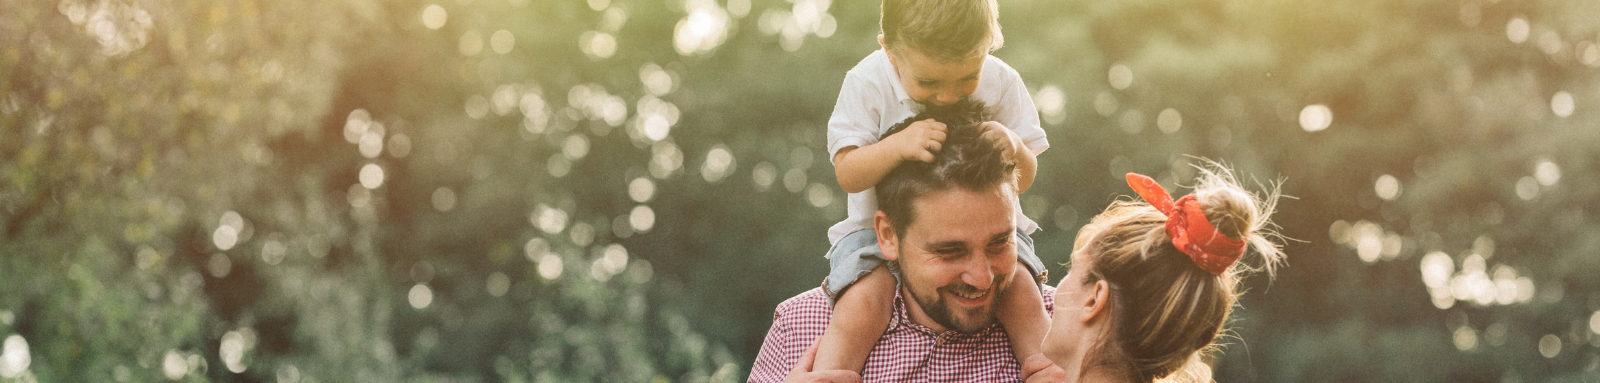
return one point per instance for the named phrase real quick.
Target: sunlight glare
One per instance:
(1562, 104)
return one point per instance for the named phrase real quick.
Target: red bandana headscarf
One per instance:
(1188, 227)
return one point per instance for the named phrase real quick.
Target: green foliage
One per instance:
(622, 190)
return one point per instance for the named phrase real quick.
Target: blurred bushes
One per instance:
(529, 190)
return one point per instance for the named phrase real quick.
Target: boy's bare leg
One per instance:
(1022, 314)
(860, 316)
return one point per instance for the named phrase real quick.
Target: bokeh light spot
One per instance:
(173, 366)
(444, 199)
(420, 296)
(434, 16)
(219, 265)
(794, 180)
(550, 267)
(14, 356)
(233, 347)
(763, 175)
(705, 28)
(1562, 104)
(1466, 338)
(1387, 187)
(641, 189)
(1315, 117)
(819, 195)
(1550, 346)
(371, 176)
(1120, 76)
(1547, 173)
(642, 218)
(355, 125)
(1517, 30)
(471, 43)
(536, 248)
(1169, 121)
(497, 284)
(598, 45)
(502, 41)
(1052, 102)
(719, 164)
(1594, 322)
(1527, 188)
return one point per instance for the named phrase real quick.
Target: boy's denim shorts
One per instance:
(857, 253)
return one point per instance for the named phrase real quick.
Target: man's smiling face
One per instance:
(957, 256)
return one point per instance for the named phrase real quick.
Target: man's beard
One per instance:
(939, 310)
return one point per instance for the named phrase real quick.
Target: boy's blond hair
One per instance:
(946, 30)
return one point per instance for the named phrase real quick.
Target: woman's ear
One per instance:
(888, 242)
(1094, 306)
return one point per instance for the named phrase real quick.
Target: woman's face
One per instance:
(1067, 327)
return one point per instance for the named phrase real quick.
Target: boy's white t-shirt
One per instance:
(872, 100)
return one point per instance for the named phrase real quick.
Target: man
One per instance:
(949, 229)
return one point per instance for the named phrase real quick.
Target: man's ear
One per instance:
(1097, 302)
(888, 242)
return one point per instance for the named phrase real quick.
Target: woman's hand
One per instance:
(802, 371)
(1039, 369)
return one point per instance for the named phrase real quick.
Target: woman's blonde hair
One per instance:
(1166, 310)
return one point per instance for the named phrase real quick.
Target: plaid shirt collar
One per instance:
(907, 352)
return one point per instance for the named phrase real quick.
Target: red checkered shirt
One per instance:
(907, 352)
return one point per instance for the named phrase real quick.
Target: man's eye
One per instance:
(927, 83)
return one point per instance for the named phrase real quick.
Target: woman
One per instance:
(1151, 285)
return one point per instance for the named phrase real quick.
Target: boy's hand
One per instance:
(1005, 139)
(919, 141)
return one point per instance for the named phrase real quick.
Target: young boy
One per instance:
(935, 53)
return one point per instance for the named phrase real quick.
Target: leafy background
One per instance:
(622, 190)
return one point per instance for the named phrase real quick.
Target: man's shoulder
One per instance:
(814, 301)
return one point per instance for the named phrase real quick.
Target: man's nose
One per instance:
(945, 98)
(978, 273)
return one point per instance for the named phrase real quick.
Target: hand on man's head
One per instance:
(1005, 139)
(920, 141)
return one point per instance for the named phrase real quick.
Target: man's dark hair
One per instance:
(967, 161)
